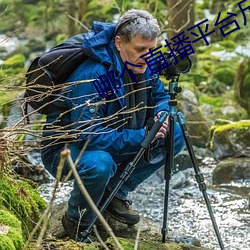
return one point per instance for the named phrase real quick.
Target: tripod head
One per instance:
(174, 89)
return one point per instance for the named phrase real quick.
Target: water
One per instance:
(188, 215)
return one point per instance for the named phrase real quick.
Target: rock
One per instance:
(231, 169)
(181, 179)
(197, 125)
(228, 110)
(229, 140)
(149, 238)
(188, 95)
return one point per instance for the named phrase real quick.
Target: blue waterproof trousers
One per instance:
(99, 171)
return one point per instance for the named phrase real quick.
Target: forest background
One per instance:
(216, 74)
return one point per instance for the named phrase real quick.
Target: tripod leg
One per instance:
(168, 173)
(199, 177)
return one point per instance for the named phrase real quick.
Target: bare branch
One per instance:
(66, 154)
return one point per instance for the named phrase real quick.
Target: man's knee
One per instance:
(97, 165)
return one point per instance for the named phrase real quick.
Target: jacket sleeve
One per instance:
(88, 121)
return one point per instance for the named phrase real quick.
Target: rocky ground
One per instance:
(145, 234)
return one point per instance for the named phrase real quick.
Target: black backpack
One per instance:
(47, 74)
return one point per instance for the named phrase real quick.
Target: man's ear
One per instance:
(118, 43)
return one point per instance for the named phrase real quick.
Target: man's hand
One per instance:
(164, 128)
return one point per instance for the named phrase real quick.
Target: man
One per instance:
(111, 129)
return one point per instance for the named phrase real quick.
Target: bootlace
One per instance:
(127, 203)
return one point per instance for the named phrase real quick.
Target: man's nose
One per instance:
(146, 54)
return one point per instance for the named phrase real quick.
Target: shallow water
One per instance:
(187, 212)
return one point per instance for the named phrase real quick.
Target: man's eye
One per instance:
(140, 49)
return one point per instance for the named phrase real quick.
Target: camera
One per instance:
(182, 66)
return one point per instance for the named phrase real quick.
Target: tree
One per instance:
(181, 17)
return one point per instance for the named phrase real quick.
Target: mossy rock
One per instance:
(10, 231)
(224, 75)
(231, 169)
(232, 139)
(221, 106)
(197, 125)
(22, 200)
(128, 244)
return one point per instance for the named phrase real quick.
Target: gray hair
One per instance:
(137, 22)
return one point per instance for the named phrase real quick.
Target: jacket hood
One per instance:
(98, 42)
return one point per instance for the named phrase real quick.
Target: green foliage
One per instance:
(6, 243)
(228, 45)
(13, 239)
(13, 66)
(16, 61)
(128, 244)
(224, 75)
(214, 101)
(219, 102)
(21, 199)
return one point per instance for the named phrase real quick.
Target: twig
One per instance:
(66, 154)
(137, 236)
(99, 238)
(77, 21)
(45, 217)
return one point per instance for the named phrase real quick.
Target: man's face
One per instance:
(132, 51)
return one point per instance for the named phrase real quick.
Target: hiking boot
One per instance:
(121, 211)
(75, 231)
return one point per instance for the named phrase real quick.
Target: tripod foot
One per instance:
(164, 232)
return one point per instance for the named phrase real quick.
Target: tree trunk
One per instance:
(72, 13)
(83, 7)
(181, 17)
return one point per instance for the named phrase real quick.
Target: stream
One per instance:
(187, 212)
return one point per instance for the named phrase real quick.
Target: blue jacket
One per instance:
(89, 116)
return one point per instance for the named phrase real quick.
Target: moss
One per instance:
(13, 239)
(221, 132)
(224, 75)
(6, 243)
(236, 125)
(214, 101)
(219, 103)
(16, 237)
(9, 219)
(13, 65)
(229, 45)
(22, 200)
(128, 244)
(16, 61)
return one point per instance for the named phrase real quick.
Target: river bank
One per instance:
(188, 216)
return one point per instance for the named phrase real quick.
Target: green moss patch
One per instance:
(10, 231)
(230, 137)
(22, 200)
(128, 244)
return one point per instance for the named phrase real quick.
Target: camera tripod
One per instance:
(174, 89)
(172, 115)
